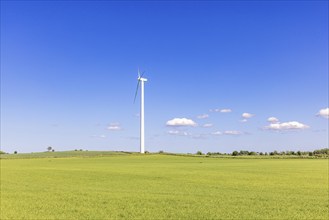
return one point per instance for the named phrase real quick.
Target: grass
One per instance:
(63, 154)
(132, 186)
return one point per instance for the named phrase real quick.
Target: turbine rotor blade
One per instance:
(142, 74)
(136, 90)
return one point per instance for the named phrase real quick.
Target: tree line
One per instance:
(319, 152)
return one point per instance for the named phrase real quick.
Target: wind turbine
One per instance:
(140, 82)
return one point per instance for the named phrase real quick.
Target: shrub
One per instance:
(15, 152)
(322, 151)
(199, 153)
(244, 152)
(235, 153)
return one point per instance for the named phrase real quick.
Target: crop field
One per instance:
(132, 186)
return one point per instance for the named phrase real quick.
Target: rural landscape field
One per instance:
(169, 110)
(113, 185)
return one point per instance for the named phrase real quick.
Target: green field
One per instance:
(132, 186)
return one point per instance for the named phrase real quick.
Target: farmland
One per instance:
(155, 186)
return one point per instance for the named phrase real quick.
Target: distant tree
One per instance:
(299, 153)
(310, 153)
(1, 152)
(80, 150)
(261, 153)
(49, 148)
(161, 152)
(275, 152)
(244, 152)
(53, 150)
(235, 153)
(272, 153)
(146, 152)
(209, 153)
(321, 151)
(76, 150)
(15, 152)
(252, 153)
(199, 153)
(266, 153)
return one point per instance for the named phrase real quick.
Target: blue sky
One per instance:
(69, 73)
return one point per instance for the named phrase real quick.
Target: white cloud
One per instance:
(207, 125)
(173, 132)
(114, 127)
(324, 113)
(217, 133)
(98, 136)
(224, 110)
(199, 136)
(203, 116)
(244, 120)
(272, 120)
(247, 115)
(181, 122)
(291, 125)
(232, 132)
(180, 133)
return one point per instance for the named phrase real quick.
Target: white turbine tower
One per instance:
(140, 82)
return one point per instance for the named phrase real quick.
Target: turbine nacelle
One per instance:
(142, 79)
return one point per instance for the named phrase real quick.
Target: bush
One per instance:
(15, 152)
(235, 153)
(322, 151)
(310, 153)
(146, 152)
(244, 152)
(199, 153)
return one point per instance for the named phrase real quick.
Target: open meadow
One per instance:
(155, 186)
